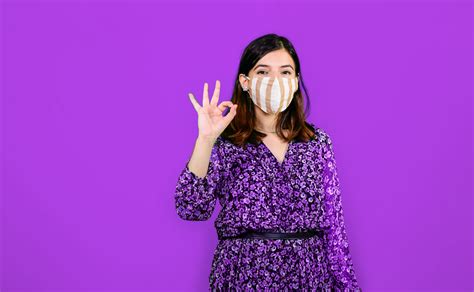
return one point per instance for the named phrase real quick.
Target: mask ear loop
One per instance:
(246, 90)
(246, 77)
(298, 80)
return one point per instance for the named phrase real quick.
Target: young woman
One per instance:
(281, 225)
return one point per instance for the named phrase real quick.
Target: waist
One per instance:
(275, 235)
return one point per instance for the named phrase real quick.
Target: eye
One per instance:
(289, 72)
(258, 72)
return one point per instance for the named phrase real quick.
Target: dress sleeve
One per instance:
(335, 240)
(195, 197)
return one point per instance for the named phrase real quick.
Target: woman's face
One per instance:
(276, 63)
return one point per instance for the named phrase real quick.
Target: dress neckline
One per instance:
(285, 157)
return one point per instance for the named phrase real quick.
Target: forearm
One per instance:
(200, 158)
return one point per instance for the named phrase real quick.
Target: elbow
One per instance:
(196, 201)
(194, 211)
(348, 285)
(194, 205)
(190, 215)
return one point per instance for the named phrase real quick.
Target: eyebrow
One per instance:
(263, 65)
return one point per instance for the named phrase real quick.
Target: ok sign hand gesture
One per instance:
(211, 123)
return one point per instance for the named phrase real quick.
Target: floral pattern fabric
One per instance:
(256, 191)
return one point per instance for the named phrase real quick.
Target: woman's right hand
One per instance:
(211, 123)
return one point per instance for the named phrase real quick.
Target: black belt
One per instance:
(275, 235)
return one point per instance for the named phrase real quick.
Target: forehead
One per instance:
(276, 59)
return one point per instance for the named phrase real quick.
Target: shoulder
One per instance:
(219, 140)
(224, 146)
(321, 135)
(222, 142)
(324, 136)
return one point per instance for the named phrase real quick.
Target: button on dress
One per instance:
(258, 192)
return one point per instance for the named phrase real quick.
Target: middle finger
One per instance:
(215, 95)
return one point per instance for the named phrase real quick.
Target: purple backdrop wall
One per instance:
(97, 125)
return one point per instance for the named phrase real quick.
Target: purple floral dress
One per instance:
(256, 191)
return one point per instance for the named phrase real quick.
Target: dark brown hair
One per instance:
(241, 129)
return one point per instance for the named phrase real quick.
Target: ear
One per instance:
(243, 82)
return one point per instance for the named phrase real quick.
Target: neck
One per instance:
(265, 122)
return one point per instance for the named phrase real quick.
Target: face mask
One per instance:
(272, 94)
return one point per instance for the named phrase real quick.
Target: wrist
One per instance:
(206, 139)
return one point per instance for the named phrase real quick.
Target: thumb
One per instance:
(231, 114)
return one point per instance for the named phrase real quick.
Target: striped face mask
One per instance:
(272, 94)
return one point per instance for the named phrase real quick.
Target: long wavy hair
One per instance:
(241, 129)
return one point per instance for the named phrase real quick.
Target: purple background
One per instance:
(97, 125)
